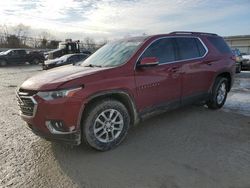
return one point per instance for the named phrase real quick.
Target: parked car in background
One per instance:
(246, 61)
(238, 58)
(96, 101)
(64, 60)
(20, 56)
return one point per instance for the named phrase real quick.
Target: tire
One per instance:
(106, 124)
(3, 63)
(219, 93)
(35, 61)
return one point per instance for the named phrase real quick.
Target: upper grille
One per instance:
(26, 102)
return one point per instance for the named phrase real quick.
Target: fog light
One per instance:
(57, 127)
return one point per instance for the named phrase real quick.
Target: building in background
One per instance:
(242, 42)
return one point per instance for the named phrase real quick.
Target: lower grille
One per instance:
(26, 103)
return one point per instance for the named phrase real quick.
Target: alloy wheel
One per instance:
(221, 93)
(108, 125)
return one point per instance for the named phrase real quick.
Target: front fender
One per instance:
(129, 100)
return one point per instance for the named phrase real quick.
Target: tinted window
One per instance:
(219, 44)
(201, 48)
(81, 57)
(73, 59)
(21, 52)
(189, 48)
(162, 49)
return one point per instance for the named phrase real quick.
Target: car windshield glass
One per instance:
(112, 54)
(6, 52)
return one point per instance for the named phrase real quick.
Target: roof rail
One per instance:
(190, 33)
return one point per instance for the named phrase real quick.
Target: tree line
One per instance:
(18, 37)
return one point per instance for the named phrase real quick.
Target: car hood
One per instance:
(52, 79)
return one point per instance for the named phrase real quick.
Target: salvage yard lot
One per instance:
(190, 147)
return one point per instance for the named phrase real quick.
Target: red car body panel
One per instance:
(146, 87)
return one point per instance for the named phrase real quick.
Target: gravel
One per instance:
(189, 147)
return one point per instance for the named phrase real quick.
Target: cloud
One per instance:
(117, 18)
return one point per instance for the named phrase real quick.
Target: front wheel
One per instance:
(105, 124)
(219, 93)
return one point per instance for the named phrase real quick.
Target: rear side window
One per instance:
(21, 52)
(201, 48)
(163, 49)
(219, 44)
(81, 57)
(189, 48)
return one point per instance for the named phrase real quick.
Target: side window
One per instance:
(220, 44)
(201, 48)
(188, 48)
(163, 49)
(21, 52)
(14, 52)
(81, 57)
(73, 59)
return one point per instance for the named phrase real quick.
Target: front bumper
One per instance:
(66, 110)
(71, 139)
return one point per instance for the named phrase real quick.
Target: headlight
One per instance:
(51, 95)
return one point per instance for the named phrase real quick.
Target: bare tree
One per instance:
(13, 41)
(21, 31)
(35, 42)
(4, 30)
(103, 42)
(89, 44)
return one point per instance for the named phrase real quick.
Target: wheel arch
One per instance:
(229, 78)
(120, 95)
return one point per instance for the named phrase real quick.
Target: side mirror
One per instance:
(148, 62)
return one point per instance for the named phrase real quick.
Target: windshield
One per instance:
(6, 52)
(113, 54)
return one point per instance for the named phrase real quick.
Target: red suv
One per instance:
(97, 100)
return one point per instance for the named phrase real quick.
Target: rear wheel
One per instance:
(105, 124)
(219, 93)
(3, 63)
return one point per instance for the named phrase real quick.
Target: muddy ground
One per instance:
(186, 148)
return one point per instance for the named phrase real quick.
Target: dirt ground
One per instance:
(186, 148)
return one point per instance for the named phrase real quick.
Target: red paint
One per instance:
(147, 86)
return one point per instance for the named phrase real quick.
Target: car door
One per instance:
(195, 70)
(158, 85)
(13, 56)
(22, 56)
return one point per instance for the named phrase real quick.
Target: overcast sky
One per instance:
(118, 18)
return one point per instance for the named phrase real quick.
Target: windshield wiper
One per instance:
(91, 65)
